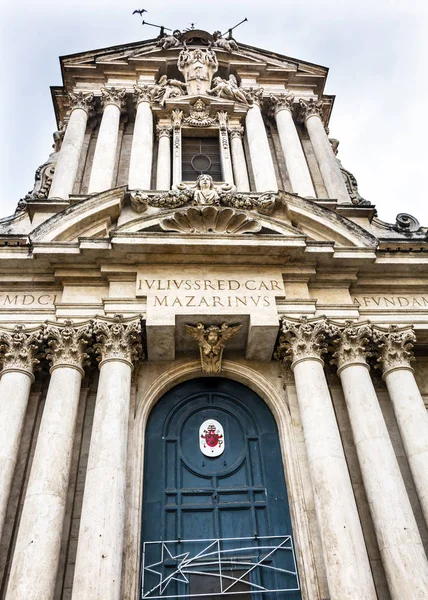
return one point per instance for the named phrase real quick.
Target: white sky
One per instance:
(377, 52)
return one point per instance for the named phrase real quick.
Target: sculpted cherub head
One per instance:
(205, 182)
(212, 335)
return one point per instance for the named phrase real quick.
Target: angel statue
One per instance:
(227, 44)
(211, 342)
(168, 88)
(170, 41)
(228, 88)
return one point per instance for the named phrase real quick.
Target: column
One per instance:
(327, 162)
(395, 354)
(19, 351)
(163, 171)
(35, 560)
(400, 545)
(238, 159)
(140, 166)
(176, 117)
(344, 551)
(297, 167)
(113, 100)
(226, 161)
(71, 148)
(261, 158)
(100, 546)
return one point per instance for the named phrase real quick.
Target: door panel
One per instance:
(215, 516)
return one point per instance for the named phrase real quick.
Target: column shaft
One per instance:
(35, 560)
(261, 158)
(163, 171)
(105, 150)
(238, 161)
(69, 155)
(140, 167)
(400, 545)
(412, 419)
(326, 159)
(226, 161)
(176, 117)
(345, 555)
(99, 553)
(14, 394)
(295, 159)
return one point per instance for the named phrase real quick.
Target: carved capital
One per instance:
(222, 119)
(67, 344)
(311, 107)
(143, 93)
(20, 350)
(281, 102)
(395, 347)
(236, 132)
(163, 131)
(254, 95)
(302, 340)
(211, 341)
(352, 344)
(81, 100)
(176, 118)
(118, 339)
(113, 96)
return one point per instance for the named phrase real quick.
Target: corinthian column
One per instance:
(71, 148)
(261, 158)
(238, 159)
(295, 159)
(19, 352)
(163, 171)
(344, 551)
(113, 100)
(140, 166)
(395, 354)
(100, 546)
(323, 151)
(400, 545)
(35, 560)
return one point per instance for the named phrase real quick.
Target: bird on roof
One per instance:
(139, 11)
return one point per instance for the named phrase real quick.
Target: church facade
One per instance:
(214, 353)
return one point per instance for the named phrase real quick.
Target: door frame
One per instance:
(152, 381)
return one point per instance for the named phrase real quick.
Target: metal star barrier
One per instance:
(246, 565)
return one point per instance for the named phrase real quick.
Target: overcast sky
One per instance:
(377, 52)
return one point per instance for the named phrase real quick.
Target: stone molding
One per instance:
(143, 93)
(20, 350)
(67, 344)
(82, 100)
(302, 339)
(118, 339)
(310, 108)
(163, 131)
(281, 102)
(113, 96)
(395, 347)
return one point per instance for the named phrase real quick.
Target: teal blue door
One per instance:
(215, 526)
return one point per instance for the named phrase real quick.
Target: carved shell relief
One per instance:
(210, 219)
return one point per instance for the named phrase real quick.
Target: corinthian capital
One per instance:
(67, 344)
(302, 339)
(395, 347)
(143, 93)
(282, 102)
(163, 130)
(113, 96)
(118, 339)
(311, 107)
(352, 343)
(254, 95)
(20, 350)
(81, 100)
(236, 132)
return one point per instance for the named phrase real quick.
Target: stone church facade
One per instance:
(214, 353)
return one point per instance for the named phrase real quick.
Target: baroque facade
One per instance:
(214, 353)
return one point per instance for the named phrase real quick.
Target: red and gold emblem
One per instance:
(211, 438)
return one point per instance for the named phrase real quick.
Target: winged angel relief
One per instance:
(211, 342)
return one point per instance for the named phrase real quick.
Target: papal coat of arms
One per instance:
(211, 438)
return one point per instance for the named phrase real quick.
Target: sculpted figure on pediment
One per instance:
(227, 44)
(228, 88)
(170, 40)
(167, 88)
(198, 67)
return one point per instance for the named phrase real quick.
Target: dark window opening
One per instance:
(201, 156)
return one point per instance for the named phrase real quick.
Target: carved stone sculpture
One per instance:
(198, 67)
(171, 40)
(113, 96)
(67, 343)
(406, 223)
(211, 341)
(349, 179)
(58, 136)
(210, 219)
(167, 88)
(395, 347)
(20, 350)
(42, 182)
(352, 342)
(199, 115)
(302, 339)
(227, 44)
(228, 88)
(118, 339)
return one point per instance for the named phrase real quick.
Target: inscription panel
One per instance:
(391, 302)
(36, 300)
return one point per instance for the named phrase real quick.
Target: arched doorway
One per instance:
(216, 521)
